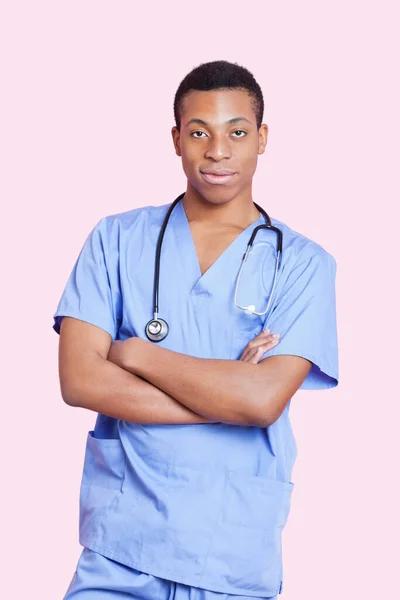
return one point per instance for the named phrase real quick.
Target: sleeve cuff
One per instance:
(321, 376)
(92, 319)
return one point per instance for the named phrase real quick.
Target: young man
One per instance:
(186, 483)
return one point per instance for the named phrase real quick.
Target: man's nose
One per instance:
(218, 148)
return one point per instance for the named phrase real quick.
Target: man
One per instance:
(186, 484)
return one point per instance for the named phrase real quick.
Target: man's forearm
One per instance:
(223, 390)
(110, 390)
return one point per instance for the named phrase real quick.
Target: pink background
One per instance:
(87, 93)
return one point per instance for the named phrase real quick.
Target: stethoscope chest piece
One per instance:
(157, 330)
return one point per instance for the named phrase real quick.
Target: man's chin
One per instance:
(217, 194)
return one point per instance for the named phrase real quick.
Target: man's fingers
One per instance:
(253, 352)
(261, 338)
(247, 357)
(247, 353)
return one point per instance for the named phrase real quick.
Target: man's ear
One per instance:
(262, 138)
(176, 139)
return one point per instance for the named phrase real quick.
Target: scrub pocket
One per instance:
(102, 481)
(257, 502)
(246, 551)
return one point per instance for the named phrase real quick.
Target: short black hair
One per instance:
(215, 75)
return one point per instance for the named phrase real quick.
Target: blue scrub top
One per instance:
(202, 504)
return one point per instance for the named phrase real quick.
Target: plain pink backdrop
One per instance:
(87, 96)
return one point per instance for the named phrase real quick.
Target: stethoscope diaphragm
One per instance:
(157, 330)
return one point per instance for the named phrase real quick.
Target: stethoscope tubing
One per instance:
(158, 255)
(160, 326)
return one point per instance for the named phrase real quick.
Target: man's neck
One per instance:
(238, 211)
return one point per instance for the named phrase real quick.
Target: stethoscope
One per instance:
(157, 329)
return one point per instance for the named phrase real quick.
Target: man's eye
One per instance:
(239, 131)
(199, 134)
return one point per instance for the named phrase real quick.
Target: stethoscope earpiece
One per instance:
(157, 330)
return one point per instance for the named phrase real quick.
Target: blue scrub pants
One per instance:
(99, 578)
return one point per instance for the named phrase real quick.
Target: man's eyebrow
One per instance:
(229, 122)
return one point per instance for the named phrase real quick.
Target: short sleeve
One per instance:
(87, 295)
(305, 317)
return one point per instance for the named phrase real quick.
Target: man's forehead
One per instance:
(217, 106)
(231, 121)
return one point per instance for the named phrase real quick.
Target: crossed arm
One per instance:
(139, 381)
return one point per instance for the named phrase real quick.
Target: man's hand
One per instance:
(256, 347)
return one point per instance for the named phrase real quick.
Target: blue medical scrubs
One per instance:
(201, 505)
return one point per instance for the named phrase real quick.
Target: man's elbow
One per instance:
(69, 401)
(261, 419)
(267, 411)
(70, 396)
(254, 415)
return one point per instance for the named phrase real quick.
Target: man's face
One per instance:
(219, 134)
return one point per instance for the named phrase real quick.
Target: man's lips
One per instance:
(218, 171)
(217, 176)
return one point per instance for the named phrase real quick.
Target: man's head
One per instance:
(218, 110)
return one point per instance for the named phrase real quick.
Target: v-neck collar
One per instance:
(187, 252)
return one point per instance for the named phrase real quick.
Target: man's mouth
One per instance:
(217, 176)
